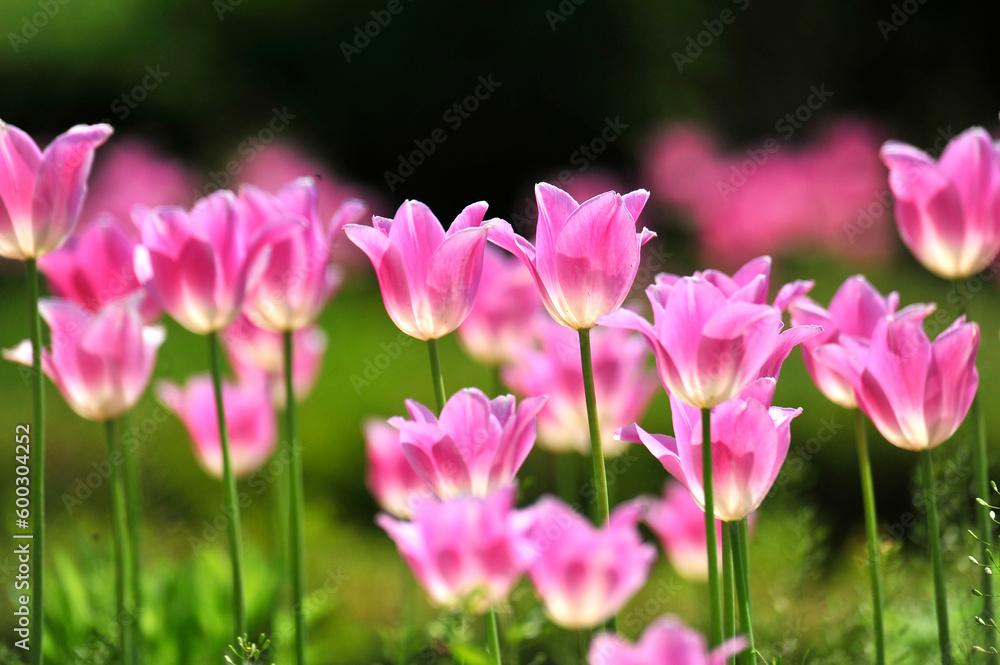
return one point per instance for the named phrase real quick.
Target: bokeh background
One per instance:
(202, 82)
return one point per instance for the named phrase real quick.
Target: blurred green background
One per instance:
(227, 64)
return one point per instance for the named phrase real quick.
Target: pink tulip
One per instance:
(462, 551)
(679, 522)
(390, 477)
(475, 447)
(250, 421)
(507, 303)
(94, 267)
(134, 171)
(836, 356)
(709, 347)
(666, 641)
(101, 363)
(948, 212)
(256, 354)
(298, 279)
(750, 440)
(622, 381)
(583, 574)
(917, 392)
(585, 256)
(750, 283)
(429, 278)
(196, 264)
(42, 192)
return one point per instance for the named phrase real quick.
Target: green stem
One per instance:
(232, 501)
(982, 483)
(728, 587)
(281, 545)
(436, 376)
(409, 614)
(711, 541)
(120, 531)
(296, 509)
(493, 636)
(37, 474)
(134, 508)
(871, 526)
(738, 531)
(934, 533)
(601, 507)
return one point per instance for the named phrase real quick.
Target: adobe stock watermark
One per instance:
(562, 12)
(900, 14)
(454, 117)
(786, 127)
(363, 35)
(373, 367)
(128, 101)
(714, 28)
(30, 25)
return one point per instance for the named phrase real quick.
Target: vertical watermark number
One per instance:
(22, 536)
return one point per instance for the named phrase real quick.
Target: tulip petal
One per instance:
(19, 160)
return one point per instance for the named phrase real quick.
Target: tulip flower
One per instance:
(679, 523)
(948, 212)
(476, 446)
(836, 356)
(196, 264)
(666, 641)
(748, 284)
(390, 477)
(41, 193)
(101, 363)
(583, 574)
(585, 257)
(506, 305)
(429, 277)
(256, 354)
(709, 347)
(298, 279)
(624, 385)
(250, 421)
(94, 267)
(917, 392)
(750, 439)
(462, 551)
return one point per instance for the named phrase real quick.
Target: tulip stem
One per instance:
(37, 472)
(871, 526)
(711, 541)
(728, 587)
(232, 502)
(120, 531)
(437, 377)
(934, 533)
(493, 636)
(741, 555)
(601, 507)
(134, 514)
(296, 508)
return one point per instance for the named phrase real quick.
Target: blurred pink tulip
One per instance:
(390, 477)
(585, 256)
(197, 264)
(256, 354)
(948, 212)
(298, 278)
(679, 522)
(709, 347)
(836, 356)
(429, 278)
(250, 421)
(623, 382)
(41, 193)
(917, 392)
(475, 447)
(94, 267)
(583, 574)
(750, 440)
(462, 551)
(101, 363)
(666, 641)
(134, 171)
(507, 302)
